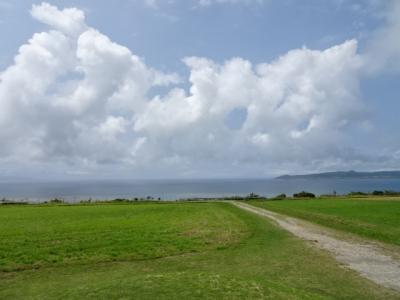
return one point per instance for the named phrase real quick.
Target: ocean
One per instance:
(74, 191)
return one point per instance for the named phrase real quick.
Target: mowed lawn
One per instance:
(377, 219)
(39, 236)
(163, 251)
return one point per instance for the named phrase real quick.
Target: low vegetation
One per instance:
(304, 194)
(163, 251)
(375, 193)
(374, 218)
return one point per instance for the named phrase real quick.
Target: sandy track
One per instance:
(364, 257)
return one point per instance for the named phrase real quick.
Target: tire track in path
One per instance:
(364, 257)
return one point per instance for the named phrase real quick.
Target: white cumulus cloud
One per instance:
(69, 20)
(74, 96)
(383, 52)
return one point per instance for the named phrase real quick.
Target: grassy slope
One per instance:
(371, 218)
(254, 260)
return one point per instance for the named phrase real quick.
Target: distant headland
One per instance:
(346, 175)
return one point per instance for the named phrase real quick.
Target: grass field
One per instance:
(36, 236)
(373, 218)
(163, 251)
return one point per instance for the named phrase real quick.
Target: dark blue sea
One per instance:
(182, 189)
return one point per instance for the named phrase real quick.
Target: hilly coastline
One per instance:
(346, 175)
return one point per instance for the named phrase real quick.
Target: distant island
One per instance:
(346, 175)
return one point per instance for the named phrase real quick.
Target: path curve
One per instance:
(365, 258)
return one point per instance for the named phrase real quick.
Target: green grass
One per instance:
(164, 251)
(36, 236)
(373, 218)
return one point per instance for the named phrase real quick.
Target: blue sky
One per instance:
(257, 31)
(331, 60)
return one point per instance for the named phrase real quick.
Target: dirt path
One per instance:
(365, 258)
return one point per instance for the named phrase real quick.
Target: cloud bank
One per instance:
(75, 97)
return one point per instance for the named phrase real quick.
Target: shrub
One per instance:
(120, 200)
(252, 196)
(280, 197)
(392, 193)
(234, 198)
(357, 194)
(304, 194)
(378, 193)
(56, 201)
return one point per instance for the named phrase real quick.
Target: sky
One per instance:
(198, 88)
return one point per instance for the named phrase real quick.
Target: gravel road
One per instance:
(365, 257)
